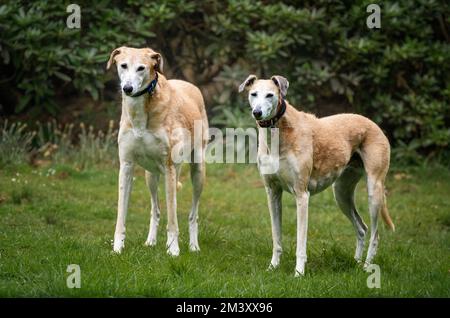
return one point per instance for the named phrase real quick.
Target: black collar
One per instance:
(149, 89)
(271, 122)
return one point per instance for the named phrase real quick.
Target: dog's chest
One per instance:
(147, 148)
(279, 171)
(288, 173)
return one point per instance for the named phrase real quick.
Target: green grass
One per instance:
(49, 220)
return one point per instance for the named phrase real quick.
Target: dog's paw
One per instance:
(117, 249)
(118, 245)
(299, 274)
(173, 251)
(150, 242)
(172, 244)
(194, 247)
(274, 263)
(300, 270)
(271, 268)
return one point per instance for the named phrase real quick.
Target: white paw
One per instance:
(173, 250)
(275, 261)
(150, 242)
(193, 247)
(119, 243)
(299, 273)
(118, 247)
(300, 270)
(172, 244)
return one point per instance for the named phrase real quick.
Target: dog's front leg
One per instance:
(302, 200)
(274, 196)
(125, 183)
(171, 200)
(152, 180)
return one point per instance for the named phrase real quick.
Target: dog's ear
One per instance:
(247, 83)
(282, 83)
(112, 57)
(159, 61)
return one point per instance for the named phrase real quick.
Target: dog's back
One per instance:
(341, 135)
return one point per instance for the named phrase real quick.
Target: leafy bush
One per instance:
(42, 57)
(398, 75)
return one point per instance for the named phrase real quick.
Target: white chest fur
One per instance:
(287, 172)
(135, 112)
(148, 148)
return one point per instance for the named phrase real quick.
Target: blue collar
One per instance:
(149, 89)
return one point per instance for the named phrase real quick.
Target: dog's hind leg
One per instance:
(197, 178)
(375, 154)
(152, 181)
(375, 189)
(344, 193)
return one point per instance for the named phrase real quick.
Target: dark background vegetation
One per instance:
(59, 114)
(397, 75)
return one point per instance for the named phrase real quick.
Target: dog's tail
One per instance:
(385, 215)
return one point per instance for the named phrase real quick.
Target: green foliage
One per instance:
(42, 57)
(61, 144)
(96, 147)
(15, 143)
(398, 75)
(21, 194)
(56, 143)
(228, 112)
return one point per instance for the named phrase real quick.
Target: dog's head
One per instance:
(264, 95)
(136, 67)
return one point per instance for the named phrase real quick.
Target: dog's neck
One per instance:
(291, 119)
(133, 110)
(142, 111)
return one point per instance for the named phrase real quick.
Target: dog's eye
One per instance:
(270, 95)
(253, 94)
(140, 68)
(124, 66)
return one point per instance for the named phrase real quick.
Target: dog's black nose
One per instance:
(257, 113)
(128, 89)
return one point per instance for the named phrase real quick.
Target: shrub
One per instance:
(398, 75)
(53, 142)
(15, 143)
(61, 144)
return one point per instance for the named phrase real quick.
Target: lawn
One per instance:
(55, 216)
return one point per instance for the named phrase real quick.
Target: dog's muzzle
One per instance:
(127, 89)
(257, 113)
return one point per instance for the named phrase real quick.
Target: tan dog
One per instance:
(313, 154)
(158, 115)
